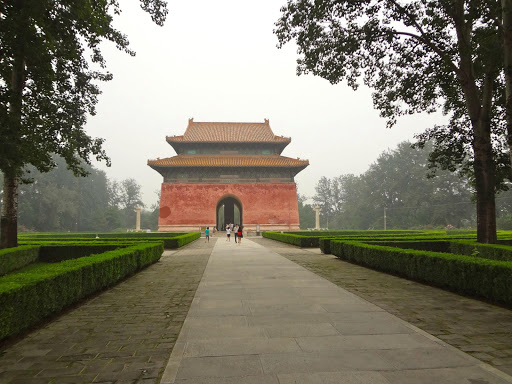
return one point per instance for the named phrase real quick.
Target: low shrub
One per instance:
(12, 259)
(40, 290)
(298, 240)
(475, 276)
(180, 241)
(94, 235)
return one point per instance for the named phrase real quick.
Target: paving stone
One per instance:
(223, 366)
(465, 323)
(345, 377)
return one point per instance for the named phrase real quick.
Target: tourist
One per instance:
(228, 233)
(235, 230)
(207, 233)
(240, 234)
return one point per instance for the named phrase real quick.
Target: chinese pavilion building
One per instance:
(228, 173)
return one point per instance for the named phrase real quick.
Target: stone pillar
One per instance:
(138, 210)
(317, 209)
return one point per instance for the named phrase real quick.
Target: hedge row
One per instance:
(363, 233)
(169, 242)
(458, 247)
(323, 241)
(40, 290)
(82, 235)
(12, 259)
(464, 274)
(301, 241)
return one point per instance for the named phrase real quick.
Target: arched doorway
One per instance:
(229, 210)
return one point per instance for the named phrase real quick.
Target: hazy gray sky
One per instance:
(218, 61)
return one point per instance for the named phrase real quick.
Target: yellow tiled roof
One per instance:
(208, 132)
(229, 161)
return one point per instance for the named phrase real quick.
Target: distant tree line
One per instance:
(400, 183)
(59, 201)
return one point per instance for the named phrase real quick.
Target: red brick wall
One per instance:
(187, 206)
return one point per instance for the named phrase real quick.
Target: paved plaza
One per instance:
(256, 317)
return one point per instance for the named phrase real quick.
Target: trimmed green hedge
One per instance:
(12, 259)
(464, 274)
(458, 247)
(180, 241)
(169, 242)
(41, 290)
(61, 252)
(92, 235)
(301, 241)
(486, 251)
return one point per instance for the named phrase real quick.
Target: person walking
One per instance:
(207, 233)
(235, 231)
(240, 234)
(228, 233)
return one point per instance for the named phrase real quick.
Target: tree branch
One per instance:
(423, 36)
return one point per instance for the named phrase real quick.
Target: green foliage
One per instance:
(300, 241)
(12, 259)
(419, 56)
(47, 81)
(464, 274)
(397, 181)
(40, 290)
(306, 213)
(485, 251)
(49, 73)
(59, 201)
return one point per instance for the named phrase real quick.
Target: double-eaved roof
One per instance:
(229, 161)
(209, 132)
(215, 133)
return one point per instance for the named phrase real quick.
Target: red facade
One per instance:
(186, 207)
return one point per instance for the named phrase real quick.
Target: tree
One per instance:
(417, 55)
(130, 197)
(397, 181)
(57, 200)
(306, 213)
(48, 86)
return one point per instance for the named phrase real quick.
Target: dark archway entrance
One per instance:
(229, 210)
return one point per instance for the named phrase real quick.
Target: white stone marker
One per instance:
(317, 209)
(138, 210)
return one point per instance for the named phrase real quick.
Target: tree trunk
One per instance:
(485, 181)
(9, 218)
(506, 6)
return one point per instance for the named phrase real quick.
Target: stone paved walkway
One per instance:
(123, 335)
(259, 318)
(482, 330)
